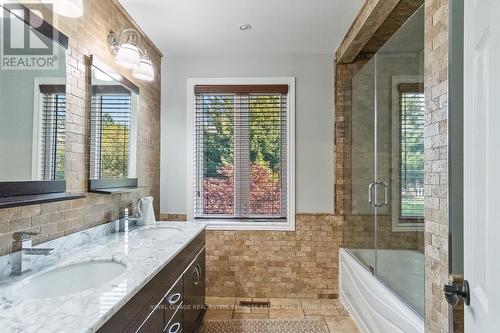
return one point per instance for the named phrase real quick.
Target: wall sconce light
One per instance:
(145, 71)
(128, 54)
(69, 8)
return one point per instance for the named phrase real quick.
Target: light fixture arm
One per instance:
(113, 43)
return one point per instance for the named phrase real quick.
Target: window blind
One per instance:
(110, 132)
(412, 110)
(240, 152)
(52, 130)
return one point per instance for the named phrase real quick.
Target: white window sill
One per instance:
(221, 225)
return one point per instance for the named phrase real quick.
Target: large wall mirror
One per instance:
(113, 131)
(32, 104)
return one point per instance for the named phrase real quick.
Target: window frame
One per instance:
(243, 224)
(397, 224)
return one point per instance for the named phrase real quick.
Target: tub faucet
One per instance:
(22, 246)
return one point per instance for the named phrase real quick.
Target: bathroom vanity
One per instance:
(173, 301)
(149, 279)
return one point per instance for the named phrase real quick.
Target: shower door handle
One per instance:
(386, 194)
(370, 194)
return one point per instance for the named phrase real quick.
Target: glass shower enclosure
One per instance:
(384, 227)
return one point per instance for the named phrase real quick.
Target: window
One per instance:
(50, 124)
(409, 211)
(242, 155)
(111, 130)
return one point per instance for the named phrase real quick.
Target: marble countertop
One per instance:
(88, 310)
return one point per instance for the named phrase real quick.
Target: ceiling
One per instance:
(212, 26)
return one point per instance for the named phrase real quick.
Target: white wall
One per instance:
(314, 121)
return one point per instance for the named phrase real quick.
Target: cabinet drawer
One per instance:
(173, 299)
(155, 322)
(176, 323)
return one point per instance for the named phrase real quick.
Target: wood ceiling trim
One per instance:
(396, 19)
(370, 18)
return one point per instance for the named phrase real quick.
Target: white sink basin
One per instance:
(157, 232)
(69, 279)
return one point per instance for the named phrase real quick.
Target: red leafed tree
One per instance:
(264, 192)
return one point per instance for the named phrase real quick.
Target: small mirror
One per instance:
(113, 130)
(32, 104)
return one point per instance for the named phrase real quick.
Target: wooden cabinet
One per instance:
(176, 324)
(194, 292)
(172, 302)
(154, 323)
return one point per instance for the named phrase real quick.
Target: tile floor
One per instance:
(337, 318)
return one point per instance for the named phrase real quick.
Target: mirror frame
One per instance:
(35, 188)
(120, 185)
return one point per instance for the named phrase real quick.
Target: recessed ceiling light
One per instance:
(245, 27)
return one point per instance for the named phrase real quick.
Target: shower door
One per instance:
(384, 221)
(397, 191)
(360, 227)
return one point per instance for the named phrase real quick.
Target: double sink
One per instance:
(82, 276)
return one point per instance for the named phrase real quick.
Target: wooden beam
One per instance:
(396, 19)
(371, 16)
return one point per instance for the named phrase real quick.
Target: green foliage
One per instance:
(265, 131)
(218, 133)
(115, 149)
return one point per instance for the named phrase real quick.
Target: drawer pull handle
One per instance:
(197, 271)
(174, 298)
(175, 328)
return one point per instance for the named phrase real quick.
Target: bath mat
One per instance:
(264, 326)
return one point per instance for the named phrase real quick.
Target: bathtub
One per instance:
(373, 306)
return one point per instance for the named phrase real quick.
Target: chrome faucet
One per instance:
(129, 217)
(22, 245)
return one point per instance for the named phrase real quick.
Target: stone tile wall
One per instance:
(173, 217)
(344, 74)
(436, 168)
(359, 233)
(303, 263)
(87, 35)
